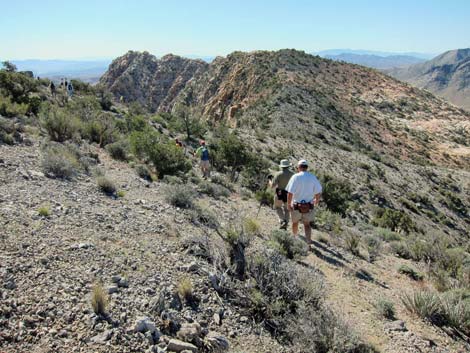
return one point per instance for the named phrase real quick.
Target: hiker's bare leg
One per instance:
(295, 228)
(308, 232)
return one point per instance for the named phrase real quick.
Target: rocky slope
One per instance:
(447, 75)
(141, 77)
(134, 245)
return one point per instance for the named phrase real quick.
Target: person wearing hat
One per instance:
(279, 183)
(304, 191)
(203, 153)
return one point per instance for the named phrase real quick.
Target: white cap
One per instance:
(303, 163)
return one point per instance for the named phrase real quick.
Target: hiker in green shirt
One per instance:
(279, 183)
(204, 163)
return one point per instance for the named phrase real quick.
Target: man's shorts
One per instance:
(304, 217)
(204, 164)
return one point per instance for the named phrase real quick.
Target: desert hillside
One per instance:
(113, 241)
(447, 76)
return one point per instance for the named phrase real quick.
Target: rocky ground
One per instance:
(133, 246)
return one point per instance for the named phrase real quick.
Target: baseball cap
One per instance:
(302, 163)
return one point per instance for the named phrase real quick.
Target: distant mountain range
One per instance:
(334, 52)
(447, 75)
(376, 61)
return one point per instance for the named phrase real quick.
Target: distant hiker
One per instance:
(279, 183)
(52, 87)
(61, 83)
(178, 143)
(70, 89)
(66, 84)
(203, 153)
(304, 191)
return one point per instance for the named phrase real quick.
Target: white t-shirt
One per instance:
(303, 186)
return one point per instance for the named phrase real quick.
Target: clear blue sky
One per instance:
(108, 28)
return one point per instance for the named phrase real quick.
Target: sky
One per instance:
(50, 29)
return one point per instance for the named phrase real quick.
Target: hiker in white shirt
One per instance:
(304, 191)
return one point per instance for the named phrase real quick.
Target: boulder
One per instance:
(180, 346)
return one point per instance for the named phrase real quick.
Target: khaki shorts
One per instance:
(304, 217)
(205, 164)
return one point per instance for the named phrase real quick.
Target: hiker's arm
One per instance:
(316, 199)
(289, 201)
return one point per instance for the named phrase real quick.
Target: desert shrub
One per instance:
(10, 109)
(265, 197)
(44, 211)
(99, 299)
(214, 190)
(336, 193)
(251, 226)
(387, 235)
(352, 241)
(222, 180)
(394, 220)
(102, 129)
(253, 177)
(59, 162)
(230, 153)
(204, 216)
(143, 171)
(374, 247)
(173, 180)
(410, 272)
(324, 331)
(17, 85)
(106, 185)
(288, 245)
(118, 150)
(328, 220)
(185, 288)
(385, 309)
(167, 158)
(6, 138)
(455, 308)
(454, 203)
(423, 303)
(180, 195)
(59, 125)
(121, 193)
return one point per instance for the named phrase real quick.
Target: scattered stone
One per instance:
(115, 279)
(397, 325)
(123, 283)
(180, 346)
(102, 338)
(217, 319)
(10, 284)
(189, 331)
(217, 342)
(113, 289)
(144, 324)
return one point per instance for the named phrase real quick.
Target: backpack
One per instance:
(205, 154)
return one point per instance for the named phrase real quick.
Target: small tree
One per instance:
(8, 66)
(189, 122)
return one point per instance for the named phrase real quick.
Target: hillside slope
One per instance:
(447, 75)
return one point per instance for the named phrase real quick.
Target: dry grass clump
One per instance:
(44, 211)
(99, 299)
(185, 289)
(106, 185)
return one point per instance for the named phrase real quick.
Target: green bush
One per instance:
(143, 171)
(288, 245)
(352, 241)
(336, 193)
(385, 309)
(387, 235)
(102, 129)
(59, 125)
(59, 162)
(410, 272)
(265, 197)
(214, 190)
(12, 109)
(118, 150)
(17, 86)
(182, 196)
(167, 158)
(425, 304)
(394, 220)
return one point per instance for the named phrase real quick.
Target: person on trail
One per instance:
(304, 191)
(66, 84)
(52, 87)
(279, 183)
(178, 143)
(203, 153)
(70, 90)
